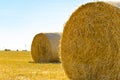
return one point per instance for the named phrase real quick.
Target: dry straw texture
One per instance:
(45, 47)
(90, 45)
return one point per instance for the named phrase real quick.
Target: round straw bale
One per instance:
(45, 47)
(90, 44)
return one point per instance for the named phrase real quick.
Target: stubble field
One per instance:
(18, 65)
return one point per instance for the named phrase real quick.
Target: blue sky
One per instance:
(20, 20)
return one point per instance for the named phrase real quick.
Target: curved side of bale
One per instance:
(90, 44)
(54, 39)
(45, 46)
(115, 3)
(41, 48)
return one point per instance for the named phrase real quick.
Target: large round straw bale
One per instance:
(45, 47)
(90, 44)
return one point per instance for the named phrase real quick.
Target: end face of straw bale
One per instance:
(90, 43)
(41, 48)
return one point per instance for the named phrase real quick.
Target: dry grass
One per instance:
(18, 66)
(45, 47)
(90, 45)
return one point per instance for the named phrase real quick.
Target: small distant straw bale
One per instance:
(90, 44)
(45, 47)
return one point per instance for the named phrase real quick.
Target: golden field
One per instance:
(18, 65)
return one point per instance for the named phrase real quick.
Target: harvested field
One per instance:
(19, 66)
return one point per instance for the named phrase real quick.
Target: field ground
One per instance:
(20, 66)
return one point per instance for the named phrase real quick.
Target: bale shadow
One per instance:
(32, 62)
